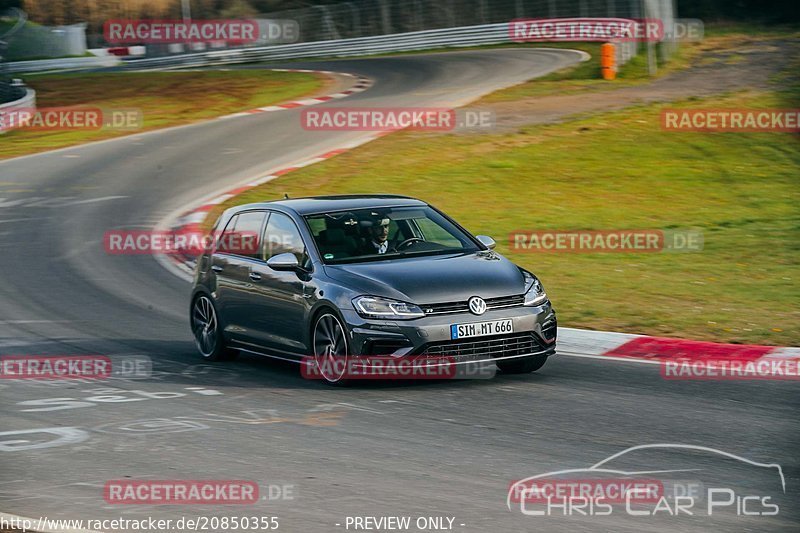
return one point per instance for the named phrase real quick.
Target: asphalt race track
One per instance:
(423, 449)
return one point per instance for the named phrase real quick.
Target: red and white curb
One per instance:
(362, 84)
(657, 350)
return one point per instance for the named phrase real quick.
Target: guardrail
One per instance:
(485, 34)
(400, 42)
(67, 63)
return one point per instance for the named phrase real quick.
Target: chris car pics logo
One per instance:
(605, 489)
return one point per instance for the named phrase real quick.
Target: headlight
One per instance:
(535, 294)
(375, 307)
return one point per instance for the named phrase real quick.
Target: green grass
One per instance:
(165, 99)
(614, 171)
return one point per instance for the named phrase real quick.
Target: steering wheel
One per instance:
(406, 243)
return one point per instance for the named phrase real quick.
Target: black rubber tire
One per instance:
(525, 365)
(329, 315)
(218, 351)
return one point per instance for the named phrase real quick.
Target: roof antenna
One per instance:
(285, 196)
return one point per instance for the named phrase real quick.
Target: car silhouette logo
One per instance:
(602, 468)
(477, 305)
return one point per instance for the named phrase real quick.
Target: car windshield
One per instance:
(385, 233)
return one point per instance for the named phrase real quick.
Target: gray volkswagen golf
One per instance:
(353, 277)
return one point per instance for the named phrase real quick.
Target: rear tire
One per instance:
(525, 365)
(208, 337)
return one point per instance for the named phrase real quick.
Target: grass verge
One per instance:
(164, 98)
(585, 78)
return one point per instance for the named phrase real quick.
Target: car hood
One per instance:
(433, 279)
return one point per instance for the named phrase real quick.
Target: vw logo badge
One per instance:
(477, 305)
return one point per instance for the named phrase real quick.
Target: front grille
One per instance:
(462, 307)
(499, 346)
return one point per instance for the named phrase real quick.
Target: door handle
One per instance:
(216, 268)
(255, 276)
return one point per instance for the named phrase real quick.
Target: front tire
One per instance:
(329, 341)
(524, 365)
(207, 331)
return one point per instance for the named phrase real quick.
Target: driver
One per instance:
(377, 241)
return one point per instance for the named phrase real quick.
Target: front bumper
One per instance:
(534, 333)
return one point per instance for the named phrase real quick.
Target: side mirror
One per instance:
(486, 241)
(285, 261)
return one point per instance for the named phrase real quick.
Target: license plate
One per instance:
(481, 329)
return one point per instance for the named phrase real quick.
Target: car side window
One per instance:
(241, 235)
(225, 236)
(282, 236)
